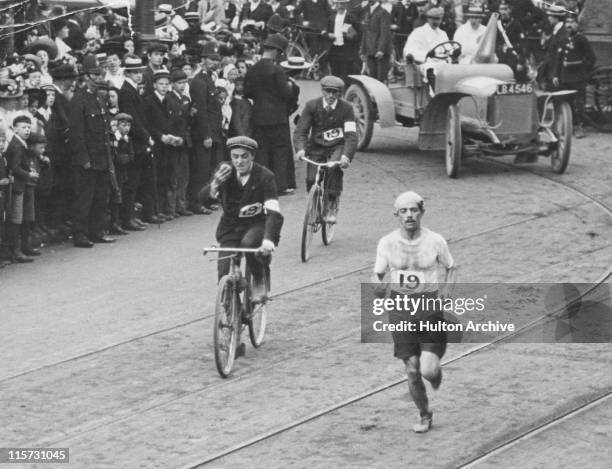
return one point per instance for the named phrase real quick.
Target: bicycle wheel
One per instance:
(312, 220)
(225, 335)
(256, 315)
(328, 229)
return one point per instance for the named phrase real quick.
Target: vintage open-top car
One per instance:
(468, 109)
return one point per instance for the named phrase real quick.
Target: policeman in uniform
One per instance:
(327, 131)
(251, 212)
(576, 61)
(89, 140)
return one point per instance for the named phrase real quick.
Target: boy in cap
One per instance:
(178, 152)
(22, 168)
(123, 156)
(158, 117)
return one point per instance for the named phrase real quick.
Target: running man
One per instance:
(327, 131)
(413, 255)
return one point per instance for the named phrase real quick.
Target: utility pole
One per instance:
(145, 23)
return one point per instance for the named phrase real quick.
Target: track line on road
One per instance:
(537, 430)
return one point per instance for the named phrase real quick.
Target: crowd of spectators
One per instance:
(103, 132)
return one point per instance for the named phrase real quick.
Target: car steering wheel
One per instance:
(445, 50)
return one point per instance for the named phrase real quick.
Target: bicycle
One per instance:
(234, 310)
(298, 47)
(313, 219)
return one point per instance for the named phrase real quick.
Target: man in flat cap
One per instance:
(251, 211)
(413, 256)
(327, 131)
(426, 37)
(155, 61)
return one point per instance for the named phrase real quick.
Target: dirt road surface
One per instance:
(108, 351)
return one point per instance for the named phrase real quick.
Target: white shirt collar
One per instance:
(23, 142)
(373, 7)
(333, 106)
(159, 96)
(131, 82)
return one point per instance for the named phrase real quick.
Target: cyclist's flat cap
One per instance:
(242, 141)
(435, 12)
(331, 81)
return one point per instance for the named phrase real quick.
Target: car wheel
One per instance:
(454, 142)
(364, 114)
(563, 129)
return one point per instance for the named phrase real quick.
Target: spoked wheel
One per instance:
(226, 326)
(563, 129)
(327, 231)
(364, 113)
(256, 316)
(599, 99)
(454, 142)
(312, 221)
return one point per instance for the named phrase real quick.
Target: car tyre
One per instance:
(454, 142)
(563, 130)
(364, 114)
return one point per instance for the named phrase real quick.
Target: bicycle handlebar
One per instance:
(329, 164)
(208, 249)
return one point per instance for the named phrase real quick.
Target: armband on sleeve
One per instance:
(274, 223)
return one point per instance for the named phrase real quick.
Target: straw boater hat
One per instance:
(295, 63)
(191, 16)
(474, 11)
(556, 10)
(161, 73)
(132, 63)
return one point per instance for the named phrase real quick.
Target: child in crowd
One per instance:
(240, 122)
(22, 205)
(123, 155)
(5, 181)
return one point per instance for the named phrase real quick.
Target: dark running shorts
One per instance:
(408, 344)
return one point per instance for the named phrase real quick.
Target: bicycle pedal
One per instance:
(240, 350)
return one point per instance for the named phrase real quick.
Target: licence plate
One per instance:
(515, 88)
